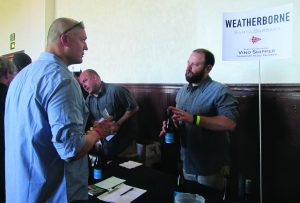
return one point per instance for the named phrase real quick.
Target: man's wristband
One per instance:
(196, 119)
(98, 132)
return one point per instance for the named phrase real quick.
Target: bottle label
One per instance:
(169, 138)
(97, 174)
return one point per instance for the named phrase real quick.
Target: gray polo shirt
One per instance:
(204, 151)
(116, 100)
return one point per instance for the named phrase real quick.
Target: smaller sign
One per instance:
(12, 37)
(12, 45)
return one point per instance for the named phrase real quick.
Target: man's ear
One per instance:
(63, 39)
(94, 77)
(208, 68)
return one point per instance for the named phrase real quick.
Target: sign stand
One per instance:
(260, 145)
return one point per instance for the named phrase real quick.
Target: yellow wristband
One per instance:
(197, 119)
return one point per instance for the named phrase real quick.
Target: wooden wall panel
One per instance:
(281, 143)
(153, 100)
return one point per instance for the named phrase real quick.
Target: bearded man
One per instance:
(205, 112)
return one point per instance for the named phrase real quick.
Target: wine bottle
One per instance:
(248, 191)
(170, 146)
(170, 129)
(226, 189)
(91, 175)
(98, 164)
(179, 185)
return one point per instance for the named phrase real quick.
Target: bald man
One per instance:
(120, 105)
(45, 119)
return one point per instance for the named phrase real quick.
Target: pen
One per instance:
(126, 191)
(112, 189)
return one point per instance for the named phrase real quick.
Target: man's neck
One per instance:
(99, 89)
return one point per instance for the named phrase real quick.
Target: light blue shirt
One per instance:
(45, 117)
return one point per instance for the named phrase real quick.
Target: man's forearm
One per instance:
(127, 115)
(218, 123)
(90, 140)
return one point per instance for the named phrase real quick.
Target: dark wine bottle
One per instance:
(226, 193)
(179, 188)
(248, 191)
(170, 129)
(98, 164)
(245, 190)
(170, 146)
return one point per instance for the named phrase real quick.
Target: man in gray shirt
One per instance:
(118, 103)
(205, 112)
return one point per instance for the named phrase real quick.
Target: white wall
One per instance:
(149, 41)
(27, 20)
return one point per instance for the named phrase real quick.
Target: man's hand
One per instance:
(106, 127)
(163, 129)
(180, 115)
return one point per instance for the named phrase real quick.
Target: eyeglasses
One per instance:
(80, 24)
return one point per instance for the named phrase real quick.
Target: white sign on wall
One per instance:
(258, 34)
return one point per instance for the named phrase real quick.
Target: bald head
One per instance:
(67, 40)
(90, 81)
(60, 26)
(91, 72)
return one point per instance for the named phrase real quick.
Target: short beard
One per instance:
(194, 77)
